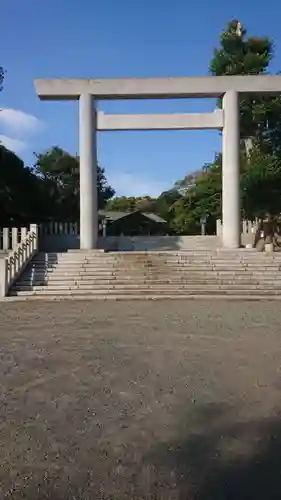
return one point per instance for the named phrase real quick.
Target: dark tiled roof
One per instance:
(155, 217)
(114, 216)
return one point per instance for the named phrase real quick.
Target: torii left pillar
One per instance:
(88, 173)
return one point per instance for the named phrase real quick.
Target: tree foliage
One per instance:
(202, 199)
(48, 190)
(131, 204)
(239, 54)
(60, 171)
(261, 184)
(22, 194)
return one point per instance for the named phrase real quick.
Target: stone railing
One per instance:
(11, 236)
(57, 228)
(59, 236)
(17, 259)
(248, 231)
(247, 227)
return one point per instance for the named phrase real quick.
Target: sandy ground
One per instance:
(142, 400)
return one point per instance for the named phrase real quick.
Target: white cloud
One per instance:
(126, 184)
(15, 145)
(15, 127)
(18, 122)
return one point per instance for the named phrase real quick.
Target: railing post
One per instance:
(23, 233)
(15, 233)
(6, 243)
(3, 277)
(34, 230)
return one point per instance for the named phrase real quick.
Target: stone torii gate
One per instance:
(88, 91)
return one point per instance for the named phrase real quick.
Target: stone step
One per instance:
(154, 290)
(154, 266)
(147, 282)
(158, 262)
(171, 255)
(158, 287)
(237, 297)
(152, 273)
(175, 276)
(180, 266)
(174, 259)
(202, 251)
(151, 293)
(120, 257)
(102, 275)
(131, 256)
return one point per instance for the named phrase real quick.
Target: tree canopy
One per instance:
(240, 54)
(131, 204)
(52, 184)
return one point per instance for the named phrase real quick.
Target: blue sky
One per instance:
(117, 38)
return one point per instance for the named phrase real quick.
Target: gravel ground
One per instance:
(142, 400)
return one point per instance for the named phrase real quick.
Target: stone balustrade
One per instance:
(11, 236)
(17, 259)
(248, 231)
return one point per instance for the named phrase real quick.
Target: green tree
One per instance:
(239, 54)
(202, 199)
(121, 204)
(131, 204)
(183, 185)
(60, 171)
(146, 204)
(261, 185)
(16, 181)
(165, 203)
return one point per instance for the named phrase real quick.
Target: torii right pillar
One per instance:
(88, 173)
(231, 229)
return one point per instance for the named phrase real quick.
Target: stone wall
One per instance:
(165, 243)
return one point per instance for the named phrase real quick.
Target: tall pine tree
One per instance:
(240, 54)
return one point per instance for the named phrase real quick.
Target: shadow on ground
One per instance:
(217, 457)
(222, 458)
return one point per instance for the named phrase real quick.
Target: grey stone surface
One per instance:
(173, 121)
(122, 400)
(151, 88)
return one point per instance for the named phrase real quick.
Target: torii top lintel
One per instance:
(155, 88)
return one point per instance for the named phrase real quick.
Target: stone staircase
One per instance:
(95, 274)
